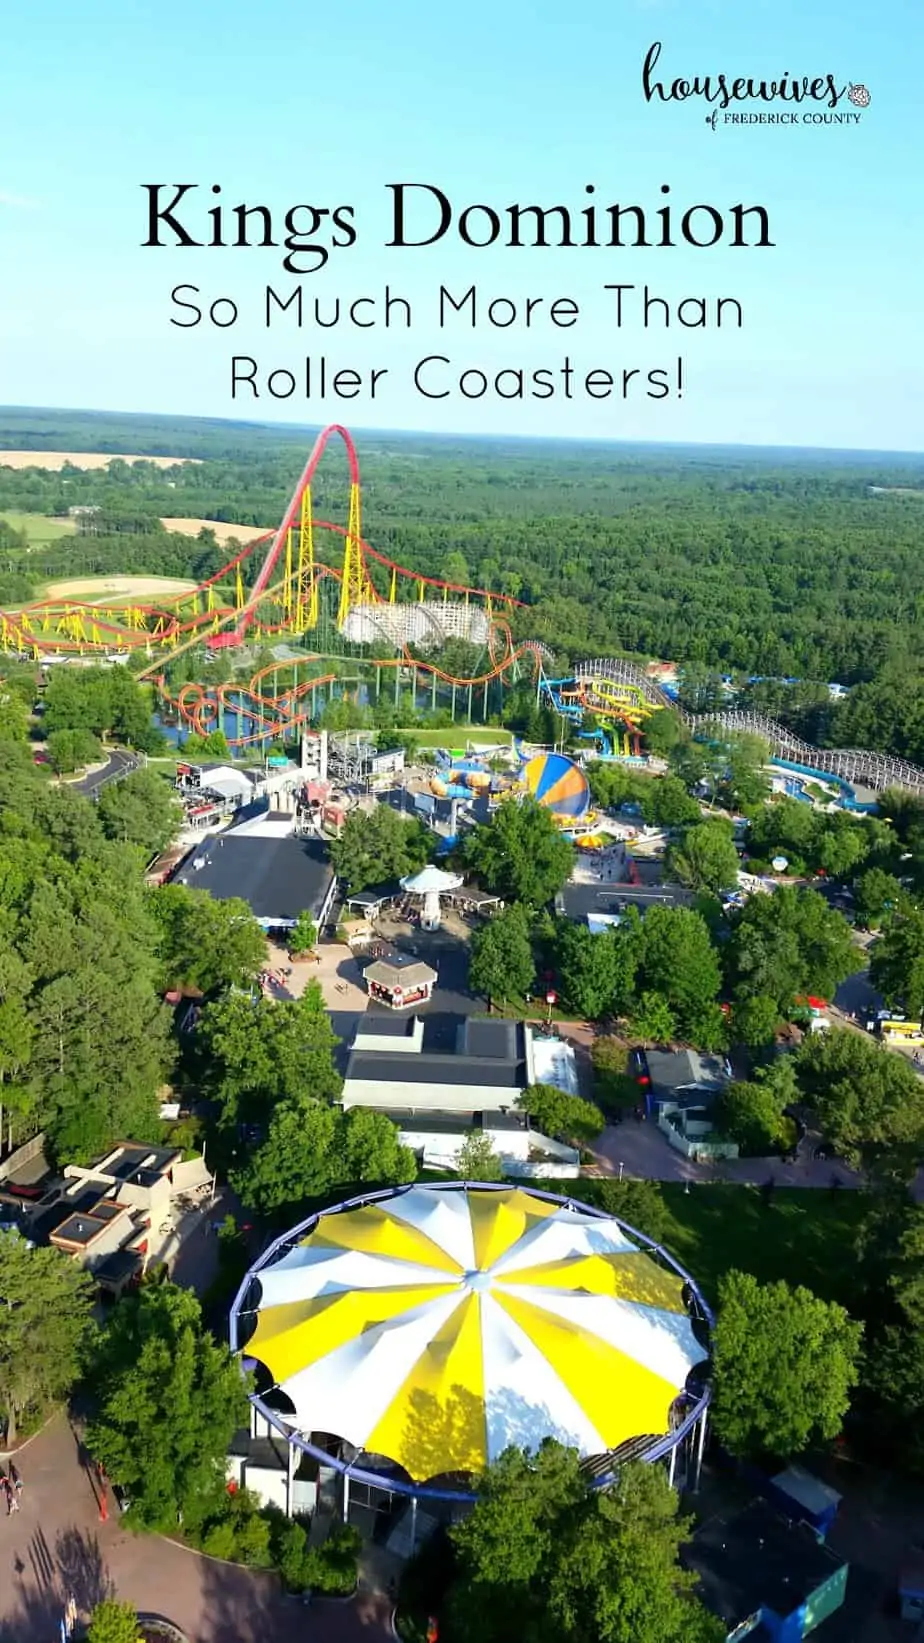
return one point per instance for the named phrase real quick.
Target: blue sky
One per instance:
(284, 103)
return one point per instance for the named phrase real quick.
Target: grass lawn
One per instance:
(460, 736)
(517, 1009)
(804, 1235)
(38, 527)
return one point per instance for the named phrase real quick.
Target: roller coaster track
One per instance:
(285, 713)
(874, 770)
(70, 626)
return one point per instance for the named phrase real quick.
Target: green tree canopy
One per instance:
(561, 1116)
(114, 1622)
(754, 1021)
(613, 1084)
(70, 750)
(477, 1160)
(204, 943)
(14, 713)
(303, 935)
(663, 731)
(140, 810)
(897, 961)
(259, 1052)
(597, 970)
(784, 1366)
(294, 1163)
(868, 1100)
(789, 944)
(752, 1113)
(877, 894)
(378, 845)
(46, 1327)
(85, 1033)
(639, 1204)
(652, 1019)
(368, 1150)
(705, 858)
(676, 960)
(502, 964)
(544, 1558)
(520, 854)
(312, 1148)
(167, 1401)
(104, 701)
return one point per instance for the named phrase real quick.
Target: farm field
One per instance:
(224, 533)
(38, 527)
(108, 590)
(54, 461)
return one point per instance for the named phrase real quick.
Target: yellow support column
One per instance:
(356, 586)
(393, 586)
(306, 605)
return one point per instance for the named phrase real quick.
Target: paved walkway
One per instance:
(57, 1545)
(642, 1150)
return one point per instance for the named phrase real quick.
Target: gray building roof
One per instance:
(757, 1560)
(277, 877)
(450, 1123)
(685, 1072)
(399, 971)
(398, 1067)
(487, 1055)
(375, 895)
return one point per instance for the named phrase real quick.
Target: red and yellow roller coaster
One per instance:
(283, 601)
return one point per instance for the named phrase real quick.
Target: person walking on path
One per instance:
(15, 1479)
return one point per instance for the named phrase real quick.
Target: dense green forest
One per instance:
(740, 561)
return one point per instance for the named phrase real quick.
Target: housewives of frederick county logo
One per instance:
(722, 92)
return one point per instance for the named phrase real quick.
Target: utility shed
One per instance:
(758, 1570)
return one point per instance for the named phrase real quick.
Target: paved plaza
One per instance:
(56, 1545)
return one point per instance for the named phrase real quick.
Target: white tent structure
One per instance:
(431, 883)
(436, 1326)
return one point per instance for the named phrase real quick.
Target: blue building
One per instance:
(764, 1577)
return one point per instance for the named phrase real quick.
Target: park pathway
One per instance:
(56, 1545)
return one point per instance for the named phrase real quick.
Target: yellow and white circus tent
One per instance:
(438, 1326)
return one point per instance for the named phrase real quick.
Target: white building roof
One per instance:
(429, 880)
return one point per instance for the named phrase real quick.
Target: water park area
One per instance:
(803, 782)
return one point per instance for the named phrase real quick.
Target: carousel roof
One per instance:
(438, 1326)
(431, 879)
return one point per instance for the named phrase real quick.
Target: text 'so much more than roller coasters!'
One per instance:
(421, 218)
